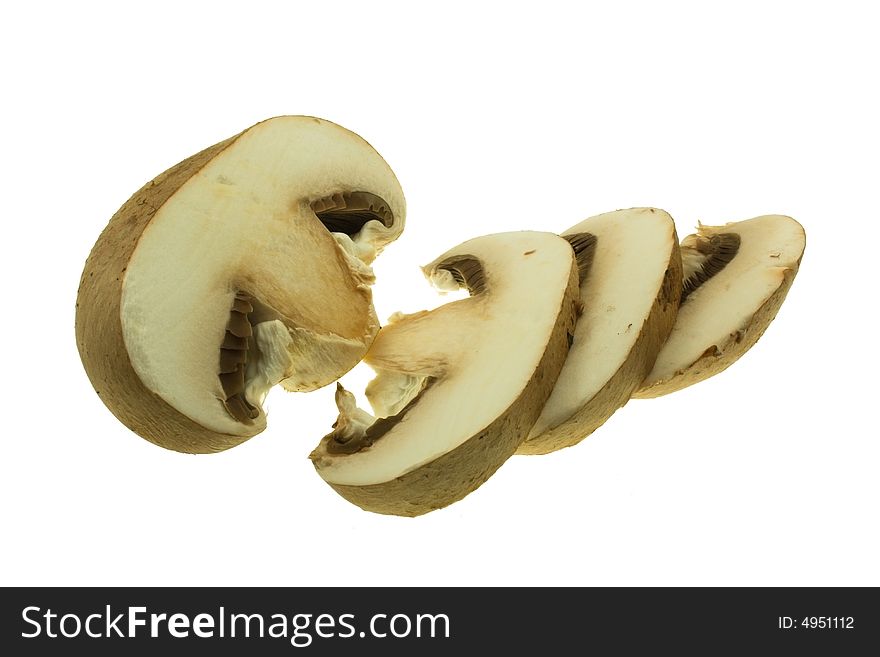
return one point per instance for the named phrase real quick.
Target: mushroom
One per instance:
(630, 294)
(457, 388)
(244, 266)
(735, 279)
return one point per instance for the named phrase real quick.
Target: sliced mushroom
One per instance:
(630, 294)
(736, 278)
(241, 267)
(458, 387)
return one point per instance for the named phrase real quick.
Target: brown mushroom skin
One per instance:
(430, 487)
(98, 322)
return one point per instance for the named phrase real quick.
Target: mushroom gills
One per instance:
(467, 272)
(704, 257)
(347, 212)
(253, 356)
(584, 247)
(358, 221)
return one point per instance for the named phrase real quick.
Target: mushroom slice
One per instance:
(244, 266)
(735, 279)
(630, 293)
(458, 387)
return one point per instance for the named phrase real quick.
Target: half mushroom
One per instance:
(242, 267)
(457, 388)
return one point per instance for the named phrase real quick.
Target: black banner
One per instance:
(334, 621)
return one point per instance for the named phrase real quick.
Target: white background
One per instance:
(494, 117)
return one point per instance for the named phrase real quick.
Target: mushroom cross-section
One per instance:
(630, 289)
(735, 280)
(457, 388)
(244, 266)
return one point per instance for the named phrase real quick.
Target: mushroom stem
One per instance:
(351, 426)
(272, 342)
